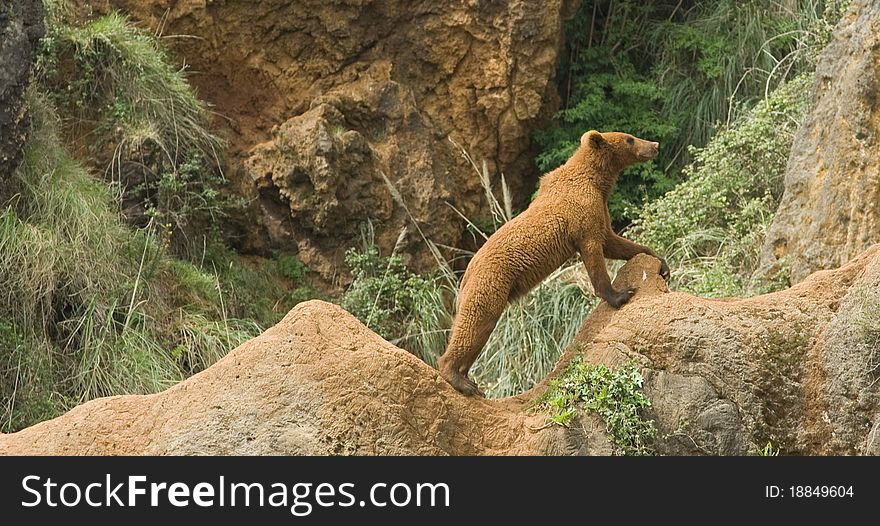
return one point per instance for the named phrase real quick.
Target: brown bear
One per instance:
(569, 215)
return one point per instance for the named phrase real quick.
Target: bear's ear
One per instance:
(592, 138)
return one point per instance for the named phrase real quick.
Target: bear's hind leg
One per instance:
(460, 381)
(473, 325)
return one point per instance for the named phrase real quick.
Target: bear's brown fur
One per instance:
(569, 215)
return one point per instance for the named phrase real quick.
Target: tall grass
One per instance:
(531, 335)
(124, 68)
(739, 51)
(90, 306)
(84, 303)
(61, 235)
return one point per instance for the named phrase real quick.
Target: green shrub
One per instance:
(255, 288)
(616, 396)
(609, 94)
(402, 307)
(711, 227)
(293, 269)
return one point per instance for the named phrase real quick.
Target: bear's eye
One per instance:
(629, 140)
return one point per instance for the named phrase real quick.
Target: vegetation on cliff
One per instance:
(675, 72)
(711, 227)
(93, 300)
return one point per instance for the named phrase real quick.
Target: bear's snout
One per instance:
(649, 150)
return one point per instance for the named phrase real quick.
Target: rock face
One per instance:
(328, 171)
(401, 78)
(799, 368)
(21, 27)
(830, 210)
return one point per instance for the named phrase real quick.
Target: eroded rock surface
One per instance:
(405, 76)
(21, 27)
(830, 210)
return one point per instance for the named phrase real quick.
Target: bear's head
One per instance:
(622, 148)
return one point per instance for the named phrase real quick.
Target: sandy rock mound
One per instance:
(318, 383)
(799, 368)
(829, 211)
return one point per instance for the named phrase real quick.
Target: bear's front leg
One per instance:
(618, 247)
(594, 261)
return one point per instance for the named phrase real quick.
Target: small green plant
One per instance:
(768, 450)
(293, 269)
(255, 288)
(297, 272)
(182, 193)
(615, 395)
(399, 305)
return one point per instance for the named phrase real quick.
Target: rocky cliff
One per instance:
(21, 27)
(321, 99)
(830, 210)
(799, 368)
